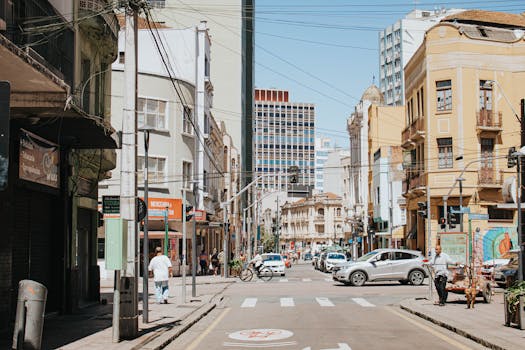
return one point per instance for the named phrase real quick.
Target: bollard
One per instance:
(29, 321)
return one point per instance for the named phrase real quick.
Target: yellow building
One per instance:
(463, 86)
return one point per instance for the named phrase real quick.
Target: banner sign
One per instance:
(38, 160)
(455, 245)
(157, 208)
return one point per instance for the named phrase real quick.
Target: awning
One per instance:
(161, 234)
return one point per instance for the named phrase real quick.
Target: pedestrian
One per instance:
(440, 264)
(162, 271)
(203, 261)
(214, 258)
(221, 261)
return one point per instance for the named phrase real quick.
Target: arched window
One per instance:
(320, 211)
(338, 212)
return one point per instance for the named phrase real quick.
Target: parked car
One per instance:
(275, 262)
(307, 256)
(287, 261)
(333, 259)
(491, 267)
(321, 261)
(508, 273)
(405, 266)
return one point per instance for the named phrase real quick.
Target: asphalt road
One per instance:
(306, 310)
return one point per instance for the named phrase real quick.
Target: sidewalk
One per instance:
(91, 327)
(484, 324)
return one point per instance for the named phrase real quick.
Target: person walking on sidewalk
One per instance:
(440, 264)
(214, 258)
(203, 261)
(162, 271)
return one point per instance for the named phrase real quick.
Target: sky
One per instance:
(326, 51)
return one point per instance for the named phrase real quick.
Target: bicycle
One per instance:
(264, 273)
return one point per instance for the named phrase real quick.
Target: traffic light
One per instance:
(511, 158)
(452, 220)
(423, 210)
(189, 208)
(360, 226)
(443, 223)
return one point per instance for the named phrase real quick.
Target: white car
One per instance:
(275, 262)
(333, 259)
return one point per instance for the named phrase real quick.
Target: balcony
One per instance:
(406, 142)
(488, 121)
(100, 7)
(418, 129)
(319, 219)
(487, 177)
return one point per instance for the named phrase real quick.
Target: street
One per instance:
(306, 310)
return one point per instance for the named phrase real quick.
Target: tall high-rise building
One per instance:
(284, 137)
(322, 146)
(397, 44)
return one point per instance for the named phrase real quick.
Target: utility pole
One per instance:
(127, 287)
(277, 228)
(184, 250)
(521, 231)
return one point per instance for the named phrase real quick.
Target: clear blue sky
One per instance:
(326, 51)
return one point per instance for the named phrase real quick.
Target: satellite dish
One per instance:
(508, 190)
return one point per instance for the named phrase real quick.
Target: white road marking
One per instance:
(204, 334)
(283, 280)
(266, 345)
(307, 280)
(363, 302)
(249, 302)
(287, 302)
(328, 280)
(325, 302)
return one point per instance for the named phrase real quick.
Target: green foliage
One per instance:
(512, 294)
(235, 263)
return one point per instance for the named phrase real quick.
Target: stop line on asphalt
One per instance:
(290, 302)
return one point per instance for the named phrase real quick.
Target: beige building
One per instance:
(310, 222)
(463, 86)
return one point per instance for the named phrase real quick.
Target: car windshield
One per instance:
(336, 256)
(367, 256)
(271, 258)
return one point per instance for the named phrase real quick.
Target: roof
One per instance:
(142, 23)
(331, 195)
(488, 17)
(373, 94)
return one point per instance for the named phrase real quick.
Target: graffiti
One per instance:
(495, 242)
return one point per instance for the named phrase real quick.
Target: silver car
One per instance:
(382, 265)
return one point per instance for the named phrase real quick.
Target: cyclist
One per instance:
(257, 262)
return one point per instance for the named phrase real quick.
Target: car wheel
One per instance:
(416, 277)
(358, 278)
(282, 274)
(403, 282)
(487, 294)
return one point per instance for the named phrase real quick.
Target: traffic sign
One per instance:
(110, 204)
(478, 216)
(464, 210)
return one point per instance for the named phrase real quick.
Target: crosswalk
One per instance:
(292, 279)
(289, 302)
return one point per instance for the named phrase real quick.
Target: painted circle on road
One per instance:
(261, 334)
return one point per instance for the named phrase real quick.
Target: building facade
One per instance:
(57, 150)
(460, 121)
(322, 147)
(312, 222)
(397, 44)
(284, 137)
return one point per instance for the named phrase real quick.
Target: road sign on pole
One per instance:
(478, 216)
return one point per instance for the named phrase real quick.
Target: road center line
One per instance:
(363, 302)
(431, 331)
(287, 302)
(214, 324)
(283, 280)
(249, 302)
(307, 280)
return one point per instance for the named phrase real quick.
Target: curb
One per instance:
(165, 338)
(453, 329)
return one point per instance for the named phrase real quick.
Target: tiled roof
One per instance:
(142, 23)
(480, 16)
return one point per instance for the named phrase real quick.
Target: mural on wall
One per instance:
(495, 242)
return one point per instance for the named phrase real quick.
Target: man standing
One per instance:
(162, 271)
(440, 264)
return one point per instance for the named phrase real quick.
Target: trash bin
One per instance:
(29, 321)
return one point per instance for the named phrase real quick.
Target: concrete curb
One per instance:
(166, 337)
(452, 328)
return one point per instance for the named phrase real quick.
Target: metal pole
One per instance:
(166, 228)
(521, 193)
(520, 229)
(116, 308)
(194, 243)
(225, 240)
(277, 228)
(460, 180)
(184, 252)
(145, 244)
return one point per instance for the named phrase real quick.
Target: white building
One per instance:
(322, 146)
(333, 172)
(397, 43)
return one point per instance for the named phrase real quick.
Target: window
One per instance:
(499, 214)
(487, 152)
(445, 153)
(151, 113)
(485, 96)
(338, 212)
(444, 95)
(403, 256)
(186, 174)
(121, 57)
(156, 169)
(187, 120)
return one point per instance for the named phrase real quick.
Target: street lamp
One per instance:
(489, 84)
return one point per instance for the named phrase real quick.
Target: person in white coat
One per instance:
(162, 271)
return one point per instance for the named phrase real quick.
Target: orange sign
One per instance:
(157, 208)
